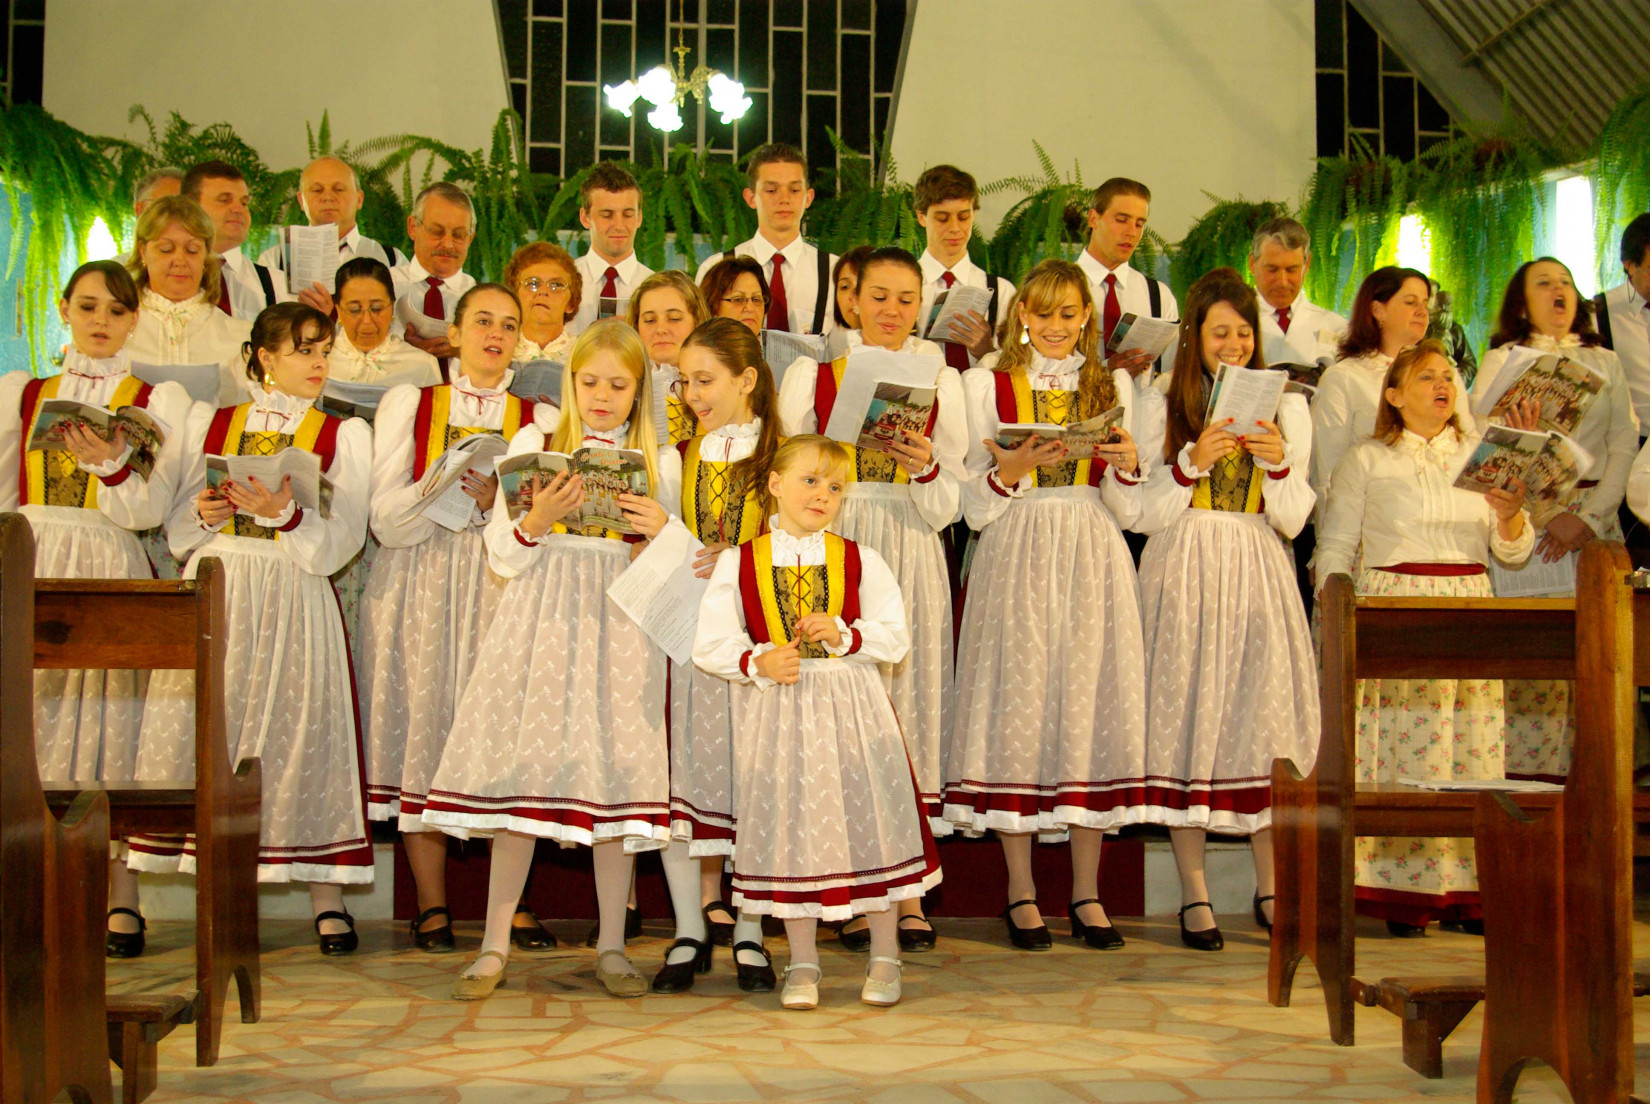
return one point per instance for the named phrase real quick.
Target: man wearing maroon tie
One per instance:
(1293, 330)
(442, 226)
(221, 190)
(1117, 222)
(799, 276)
(946, 200)
(610, 207)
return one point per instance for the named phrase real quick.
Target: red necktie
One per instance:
(434, 305)
(225, 304)
(956, 354)
(779, 313)
(610, 286)
(1283, 319)
(1113, 310)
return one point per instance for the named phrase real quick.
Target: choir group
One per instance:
(943, 634)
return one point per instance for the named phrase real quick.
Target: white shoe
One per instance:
(883, 994)
(801, 995)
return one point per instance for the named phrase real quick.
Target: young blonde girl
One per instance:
(729, 390)
(288, 699)
(560, 733)
(663, 310)
(429, 595)
(827, 824)
(1051, 728)
(899, 500)
(85, 505)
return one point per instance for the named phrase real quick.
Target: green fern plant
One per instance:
(1221, 237)
(1352, 209)
(181, 143)
(1621, 179)
(864, 205)
(1047, 222)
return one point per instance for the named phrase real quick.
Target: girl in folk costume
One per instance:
(1050, 729)
(368, 350)
(899, 499)
(547, 282)
(827, 820)
(1392, 502)
(180, 281)
(1232, 682)
(1542, 310)
(84, 501)
(288, 701)
(430, 596)
(561, 733)
(729, 389)
(664, 309)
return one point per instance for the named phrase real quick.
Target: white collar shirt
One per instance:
(1630, 337)
(1314, 333)
(593, 272)
(1133, 297)
(411, 285)
(801, 272)
(246, 291)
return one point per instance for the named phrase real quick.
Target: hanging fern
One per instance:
(1048, 222)
(862, 209)
(182, 144)
(1621, 180)
(1221, 237)
(1352, 210)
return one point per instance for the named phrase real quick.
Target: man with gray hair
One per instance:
(156, 184)
(330, 194)
(1292, 329)
(427, 287)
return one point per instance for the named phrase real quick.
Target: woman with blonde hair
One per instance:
(663, 310)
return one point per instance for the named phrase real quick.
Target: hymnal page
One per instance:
(310, 489)
(1152, 336)
(867, 370)
(953, 301)
(354, 399)
(311, 256)
(1247, 396)
(1563, 390)
(200, 380)
(660, 592)
(538, 381)
(442, 496)
(781, 348)
(1536, 578)
(1496, 785)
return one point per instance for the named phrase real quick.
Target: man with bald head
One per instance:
(330, 195)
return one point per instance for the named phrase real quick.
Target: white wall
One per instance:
(201, 59)
(1187, 96)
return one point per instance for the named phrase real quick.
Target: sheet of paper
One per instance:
(537, 380)
(200, 380)
(660, 592)
(1246, 396)
(780, 348)
(1497, 785)
(1151, 335)
(311, 256)
(1536, 579)
(661, 379)
(412, 312)
(956, 300)
(1519, 357)
(866, 369)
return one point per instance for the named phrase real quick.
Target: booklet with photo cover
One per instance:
(144, 432)
(607, 473)
(310, 488)
(1081, 438)
(1565, 389)
(896, 410)
(1549, 464)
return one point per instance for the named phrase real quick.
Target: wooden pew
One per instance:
(154, 625)
(53, 883)
(1317, 817)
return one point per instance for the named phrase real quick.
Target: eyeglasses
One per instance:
(534, 285)
(740, 302)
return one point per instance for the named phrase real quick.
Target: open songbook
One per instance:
(954, 301)
(538, 380)
(1080, 438)
(357, 399)
(1565, 389)
(607, 474)
(1549, 464)
(1248, 396)
(442, 497)
(1152, 336)
(660, 592)
(144, 432)
(884, 395)
(310, 488)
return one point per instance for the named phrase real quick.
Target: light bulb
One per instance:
(665, 117)
(621, 96)
(657, 86)
(100, 244)
(727, 96)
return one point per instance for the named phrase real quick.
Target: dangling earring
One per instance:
(1025, 336)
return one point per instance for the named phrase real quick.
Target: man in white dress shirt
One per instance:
(427, 287)
(1623, 315)
(220, 189)
(330, 194)
(156, 184)
(610, 207)
(946, 200)
(1293, 330)
(799, 276)
(1117, 221)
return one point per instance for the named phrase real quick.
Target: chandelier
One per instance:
(667, 88)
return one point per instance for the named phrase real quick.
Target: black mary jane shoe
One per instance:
(1400, 930)
(436, 940)
(721, 932)
(344, 942)
(915, 940)
(855, 941)
(1027, 939)
(632, 927)
(1210, 940)
(1102, 937)
(1260, 913)
(677, 977)
(125, 944)
(535, 938)
(754, 979)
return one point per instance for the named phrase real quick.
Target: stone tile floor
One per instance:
(980, 1022)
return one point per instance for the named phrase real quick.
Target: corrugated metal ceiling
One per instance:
(1563, 64)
